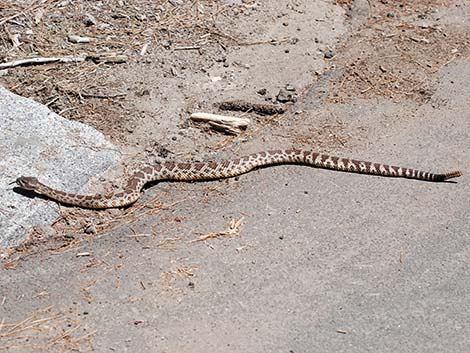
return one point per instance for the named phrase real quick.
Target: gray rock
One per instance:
(44, 233)
(262, 91)
(176, 2)
(89, 20)
(285, 96)
(90, 229)
(37, 142)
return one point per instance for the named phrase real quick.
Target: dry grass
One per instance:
(88, 91)
(233, 229)
(43, 29)
(394, 56)
(45, 330)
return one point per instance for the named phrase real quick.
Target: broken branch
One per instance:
(229, 124)
(38, 61)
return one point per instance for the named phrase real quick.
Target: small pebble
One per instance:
(329, 55)
(176, 2)
(64, 3)
(90, 229)
(285, 96)
(294, 40)
(89, 20)
(290, 88)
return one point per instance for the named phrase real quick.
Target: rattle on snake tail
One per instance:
(224, 169)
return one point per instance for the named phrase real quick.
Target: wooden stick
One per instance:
(221, 119)
(226, 124)
(79, 39)
(109, 58)
(38, 61)
(224, 128)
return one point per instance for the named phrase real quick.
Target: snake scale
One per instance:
(223, 169)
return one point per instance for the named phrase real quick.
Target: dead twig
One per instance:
(102, 96)
(6, 19)
(228, 124)
(39, 61)
(108, 58)
(81, 254)
(187, 48)
(63, 335)
(79, 39)
(232, 230)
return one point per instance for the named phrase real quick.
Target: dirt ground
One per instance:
(168, 274)
(179, 57)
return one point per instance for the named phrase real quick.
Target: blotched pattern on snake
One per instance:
(224, 169)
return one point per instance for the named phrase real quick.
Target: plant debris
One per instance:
(258, 108)
(233, 229)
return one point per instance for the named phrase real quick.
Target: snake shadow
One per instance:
(31, 194)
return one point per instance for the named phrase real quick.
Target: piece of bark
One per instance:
(108, 58)
(259, 108)
(227, 124)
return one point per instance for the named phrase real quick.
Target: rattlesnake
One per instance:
(223, 169)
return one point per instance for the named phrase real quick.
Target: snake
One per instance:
(211, 170)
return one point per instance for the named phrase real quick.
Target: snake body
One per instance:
(223, 169)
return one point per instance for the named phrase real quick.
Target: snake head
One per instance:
(27, 183)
